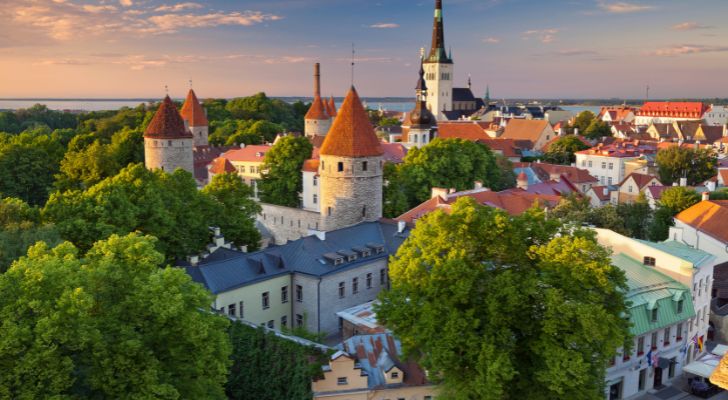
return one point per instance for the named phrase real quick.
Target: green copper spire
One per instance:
(438, 54)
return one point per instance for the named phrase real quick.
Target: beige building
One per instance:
(247, 161)
(536, 132)
(369, 368)
(632, 186)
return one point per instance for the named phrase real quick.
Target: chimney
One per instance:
(194, 260)
(438, 192)
(522, 181)
(317, 80)
(478, 185)
(244, 248)
(452, 190)
(706, 196)
(725, 130)
(684, 182)
(401, 225)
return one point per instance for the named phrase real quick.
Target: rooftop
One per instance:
(192, 111)
(167, 123)
(351, 134)
(709, 217)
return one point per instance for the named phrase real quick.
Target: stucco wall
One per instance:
(251, 296)
(439, 91)
(286, 223)
(168, 154)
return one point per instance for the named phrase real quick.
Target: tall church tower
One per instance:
(351, 168)
(421, 121)
(439, 69)
(317, 121)
(195, 119)
(167, 142)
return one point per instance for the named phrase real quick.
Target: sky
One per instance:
(232, 48)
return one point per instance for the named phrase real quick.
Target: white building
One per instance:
(607, 162)
(717, 115)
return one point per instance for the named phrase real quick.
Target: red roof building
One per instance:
(352, 134)
(192, 111)
(670, 111)
(221, 166)
(167, 123)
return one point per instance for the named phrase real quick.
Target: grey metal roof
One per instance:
(231, 269)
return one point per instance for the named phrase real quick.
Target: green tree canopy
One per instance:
(562, 151)
(677, 162)
(597, 129)
(235, 198)
(281, 171)
(583, 120)
(500, 307)
(261, 107)
(679, 198)
(20, 228)
(108, 324)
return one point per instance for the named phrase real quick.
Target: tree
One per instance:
(676, 162)
(499, 307)
(108, 324)
(394, 195)
(597, 129)
(20, 228)
(583, 120)
(238, 207)
(678, 198)
(637, 217)
(451, 163)
(281, 171)
(562, 151)
(266, 367)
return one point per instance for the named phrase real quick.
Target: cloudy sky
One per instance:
(521, 48)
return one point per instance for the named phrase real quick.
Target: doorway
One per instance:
(658, 378)
(615, 391)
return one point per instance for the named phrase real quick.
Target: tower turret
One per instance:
(351, 168)
(421, 121)
(195, 119)
(439, 69)
(317, 120)
(167, 142)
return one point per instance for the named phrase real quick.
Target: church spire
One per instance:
(438, 54)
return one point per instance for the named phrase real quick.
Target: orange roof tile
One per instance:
(220, 166)
(461, 130)
(317, 110)
(673, 109)
(709, 217)
(723, 175)
(573, 174)
(192, 111)
(352, 134)
(525, 129)
(507, 147)
(311, 165)
(167, 123)
(332, 107)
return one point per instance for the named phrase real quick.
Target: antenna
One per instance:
(647, 97)
(353, 55)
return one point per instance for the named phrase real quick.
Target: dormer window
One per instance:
(649, 261)
(653, 314)
(395, 375)
(680, 306)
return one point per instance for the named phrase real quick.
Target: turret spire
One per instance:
(437, 51)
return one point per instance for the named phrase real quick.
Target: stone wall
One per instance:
(168, 154)
(286, 223)
(316, 127)
(351, 190)
(200, 134)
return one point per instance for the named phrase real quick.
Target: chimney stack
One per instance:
(706, 196)
(478, 185)
(684, 182)
(317, 80)
(401, 225)
(522, 181)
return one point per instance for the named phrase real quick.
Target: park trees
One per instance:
(281, 171)
(506, 307)
(235, 199)
(697, 165)
(20, 228)
(562, 150)
(109, 323)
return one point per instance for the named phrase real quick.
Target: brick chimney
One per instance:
(522, 181)
(706, 196)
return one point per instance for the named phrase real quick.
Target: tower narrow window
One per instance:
(328, 211)
(364, 212)
(364, 166)
(340, 166)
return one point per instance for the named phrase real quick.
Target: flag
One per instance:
(649, 358)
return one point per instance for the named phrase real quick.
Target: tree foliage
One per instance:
(679, 198)
(562, 151)
(266, 367)
(582, 121)
(597, 129)
(35, 117)
(281, 171)
(260, 107)
(20, 228)
(108, 324)
(500, 307)
(235, 198)
(677, 162)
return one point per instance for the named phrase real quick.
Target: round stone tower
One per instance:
(195, 119)
(167, 142)
(317, 121)
(351, 168)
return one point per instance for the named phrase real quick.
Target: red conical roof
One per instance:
(317, 110)
(351, 134)
(167, 123)
(332, 107)
(192, 111)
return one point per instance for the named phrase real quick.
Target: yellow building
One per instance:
(247, 161)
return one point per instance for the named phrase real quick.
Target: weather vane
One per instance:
(353, 55)
(166, 90)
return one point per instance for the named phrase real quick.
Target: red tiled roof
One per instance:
(311, 165)
(192, 111)
(252, 153)
(507, 147)
(599, 192)
(352, 134)
(673, 109)
(461, 130)
(317, 110)
(332, 107)
(641, 180)
(167, 123)
(709, 217)
(656, 191)
(723, 175)
(203, 156)
(686, 144)
(525, 129)
(621, 149)
(394, 152)
(220, 166)
(574, 174)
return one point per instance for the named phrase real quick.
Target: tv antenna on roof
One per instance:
(647, 94)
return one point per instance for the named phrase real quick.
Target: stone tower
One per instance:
(439, 69)
(167, 142)
(317, 120)
(350, 168)
(195, 119)
(421, 121)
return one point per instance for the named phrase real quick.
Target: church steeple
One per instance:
(438, 54)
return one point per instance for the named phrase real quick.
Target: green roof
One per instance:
(680, 250)
(649, 288)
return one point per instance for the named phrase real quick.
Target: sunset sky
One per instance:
(521, 48)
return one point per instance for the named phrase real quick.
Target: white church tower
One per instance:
(439, 70)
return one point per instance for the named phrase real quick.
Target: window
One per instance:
(666, 337)
(231, 310)
(649, 261)
(342, 290)
(284, 321)
(679, 332)
(341, 381)
(364, 212)
(583, 163)
(609, 180)
(653, 343)
(641, 345)
(242, 312)
(363, 165)
(680, 306)
(328, 211)
(382, 276)
(671, 369)
(315, 180)
(265, 298)
(590, 164)
(355, 285)
(700, 288)
(340, 166)
(169, 143)
(299, 293)
(611, 165)
(284, 294)
(629, 188)
(653, 317)
(395, 375)
(299, 320)
(604, 165)
(369, 280)
(272, 324)
(643, 379)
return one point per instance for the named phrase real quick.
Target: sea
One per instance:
(81, 105)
